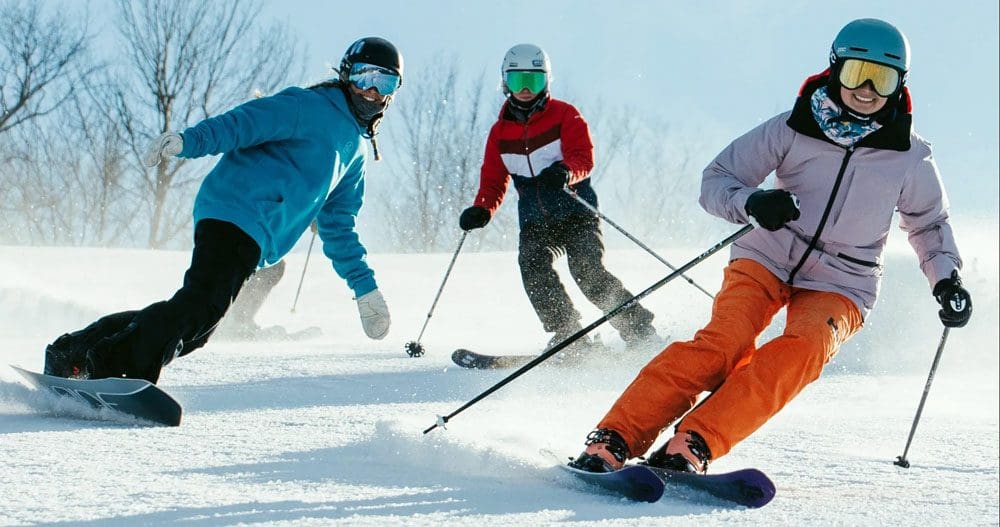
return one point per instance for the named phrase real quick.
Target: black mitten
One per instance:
(554, 176)
(473, 218)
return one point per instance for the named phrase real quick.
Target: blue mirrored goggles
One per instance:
(366, 76)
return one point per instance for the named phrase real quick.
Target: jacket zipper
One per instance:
(826, 215)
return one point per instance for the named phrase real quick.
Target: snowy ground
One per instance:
(328, 431)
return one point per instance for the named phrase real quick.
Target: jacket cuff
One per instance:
(364, 287)
(938, 268)
(739, 204)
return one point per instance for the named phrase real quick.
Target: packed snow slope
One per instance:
(328, 431)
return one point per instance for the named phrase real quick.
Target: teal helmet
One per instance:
(872, 40)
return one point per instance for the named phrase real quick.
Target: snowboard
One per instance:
(129, 397)
(748, 487)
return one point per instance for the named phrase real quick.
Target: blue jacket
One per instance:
(288, 159)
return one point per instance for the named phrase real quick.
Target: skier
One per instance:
(287, 159)
(543, 144)
(844, 157)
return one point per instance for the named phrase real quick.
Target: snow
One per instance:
(328, 431)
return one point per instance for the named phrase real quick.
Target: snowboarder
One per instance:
(544, 145)
(287, 159)
(845, 157)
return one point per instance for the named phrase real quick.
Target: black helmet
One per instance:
(372, 50)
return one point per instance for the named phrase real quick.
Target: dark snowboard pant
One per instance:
(579, 237)
(138, 344)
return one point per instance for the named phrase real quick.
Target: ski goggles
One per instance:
(885, 79)
(366, 76)
(516, 81)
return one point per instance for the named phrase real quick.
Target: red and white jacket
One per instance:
(520, 151)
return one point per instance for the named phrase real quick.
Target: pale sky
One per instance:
(718, 67)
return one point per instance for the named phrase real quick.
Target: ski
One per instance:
(635, 482)
(478, 361)
(747, 487)
(135, 398)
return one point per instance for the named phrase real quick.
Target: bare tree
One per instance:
(191, 59)
(43, 59)
(40, 57)
(442, 138)
(654, 182)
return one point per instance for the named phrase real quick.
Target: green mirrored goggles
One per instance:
(516, 81)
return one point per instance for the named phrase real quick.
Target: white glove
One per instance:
(167, 145)
(374, 314)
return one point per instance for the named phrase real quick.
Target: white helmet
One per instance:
(525, 57)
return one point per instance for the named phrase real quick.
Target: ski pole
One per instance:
(901, 461)
(633, 238)
(304, 267)
(443, 419)
(414, 348)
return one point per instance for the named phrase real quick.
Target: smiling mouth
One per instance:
(865, 100)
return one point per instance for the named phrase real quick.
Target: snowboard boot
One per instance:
(67, 356)
(685, 452)
(606, 452)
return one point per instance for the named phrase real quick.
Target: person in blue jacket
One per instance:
(287, 160)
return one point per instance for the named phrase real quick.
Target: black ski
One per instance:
(478, 361)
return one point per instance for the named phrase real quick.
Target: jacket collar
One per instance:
(335, 95)
(893, 135)
(507, 111)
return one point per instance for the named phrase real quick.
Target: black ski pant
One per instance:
(579, 237)
(137, 344)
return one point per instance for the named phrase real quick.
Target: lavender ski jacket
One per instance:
(847, 198)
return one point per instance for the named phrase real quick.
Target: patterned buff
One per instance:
(845, 131)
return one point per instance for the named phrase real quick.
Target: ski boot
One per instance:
(606, 452)
(642, 339)
(685, 452)
(578, 349)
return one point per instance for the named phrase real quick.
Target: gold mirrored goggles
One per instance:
(885, 79)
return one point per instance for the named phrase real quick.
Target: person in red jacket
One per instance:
(544, 145)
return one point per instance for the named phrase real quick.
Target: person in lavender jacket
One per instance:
(287, 160)
(844, 158)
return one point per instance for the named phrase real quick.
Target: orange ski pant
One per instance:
(749, 384)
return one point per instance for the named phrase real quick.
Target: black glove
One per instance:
(772, 208)
(956, 303)
(554, 176)
(473, 218)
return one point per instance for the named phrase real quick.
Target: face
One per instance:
(524, 95)
(371, 94)
(863, 99)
